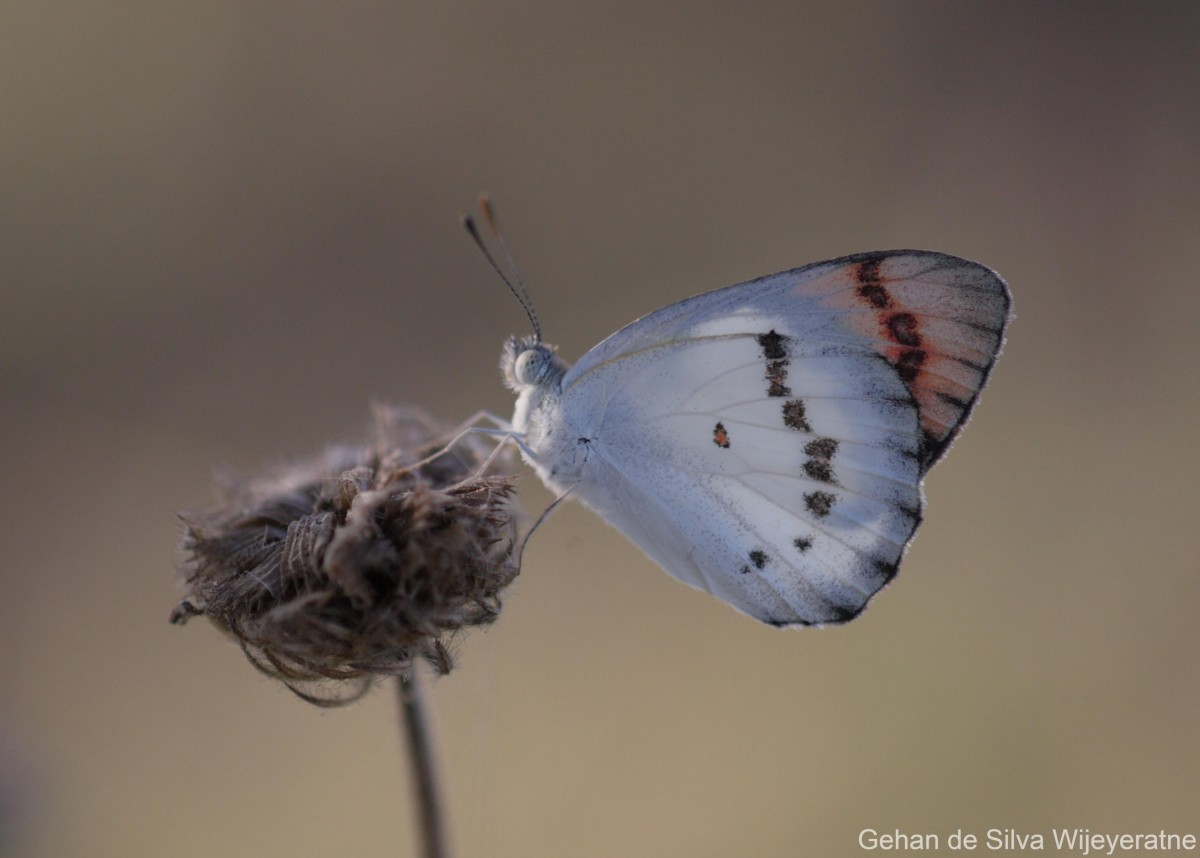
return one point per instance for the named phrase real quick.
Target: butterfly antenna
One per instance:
(468, 222)
(485, 205)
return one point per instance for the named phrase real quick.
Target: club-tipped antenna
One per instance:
(522, 296)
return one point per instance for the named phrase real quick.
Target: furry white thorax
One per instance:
(535, 373)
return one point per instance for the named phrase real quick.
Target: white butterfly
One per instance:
(766, 442)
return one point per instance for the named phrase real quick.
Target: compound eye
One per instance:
(528, 366)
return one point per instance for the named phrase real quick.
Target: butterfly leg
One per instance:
(503, 431)
(505, 437)
(520, 553)
(478, 417)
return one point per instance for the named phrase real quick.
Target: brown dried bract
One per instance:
(335, 572)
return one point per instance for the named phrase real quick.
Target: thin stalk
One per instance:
(422, 767)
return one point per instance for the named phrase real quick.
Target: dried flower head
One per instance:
(335, 572)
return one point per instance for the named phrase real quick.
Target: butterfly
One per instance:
(767, 442)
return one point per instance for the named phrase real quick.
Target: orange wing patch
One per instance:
(938, 320)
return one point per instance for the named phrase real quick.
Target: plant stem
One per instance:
(424, 776)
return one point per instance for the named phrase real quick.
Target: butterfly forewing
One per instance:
(766, 442)
(937, 319)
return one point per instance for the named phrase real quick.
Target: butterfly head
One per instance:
(527, 362)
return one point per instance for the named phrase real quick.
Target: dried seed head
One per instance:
(335, 572)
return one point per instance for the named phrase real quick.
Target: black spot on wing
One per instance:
(821, 448)
(836, 614)
(911, 512)
(802, 543)
(777, 372)
(759, 558)
(908, 364)
(887, 571)
(843, 613)
(903, 328)
(870, 285)
(820, 470)
(773, 345)
(928, 448)
(820, 504)
(794, 416)
(820, 454)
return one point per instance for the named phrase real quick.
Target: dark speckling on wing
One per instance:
(820, 504)
(820, 454)
(794, 416)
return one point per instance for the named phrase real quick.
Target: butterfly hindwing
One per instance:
(786, 476)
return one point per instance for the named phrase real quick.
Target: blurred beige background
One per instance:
(227, 228)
